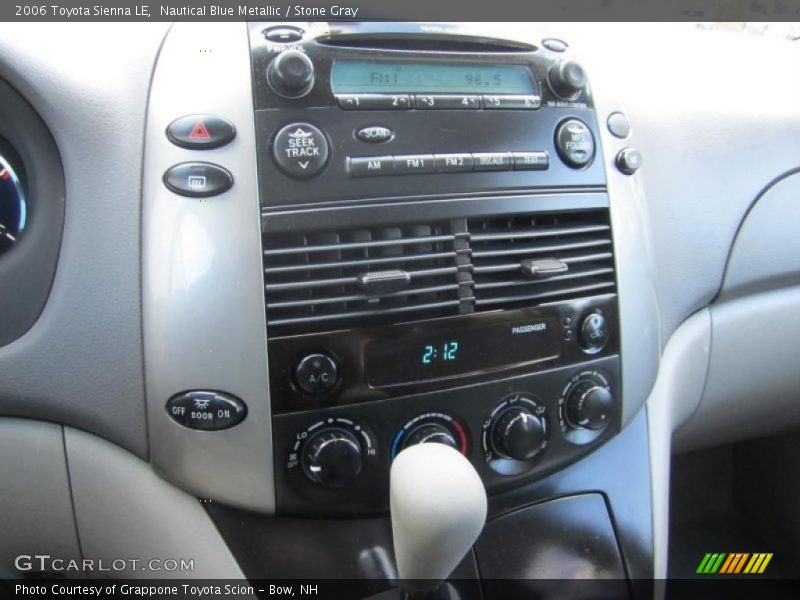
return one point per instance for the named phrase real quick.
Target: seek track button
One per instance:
(300, 150)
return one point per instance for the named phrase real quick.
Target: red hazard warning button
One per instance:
(200, 132)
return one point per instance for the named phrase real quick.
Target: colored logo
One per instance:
(735, 563)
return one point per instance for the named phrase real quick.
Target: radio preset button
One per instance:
(374, 101)
(316, 373)
(368, 166)
(512, 102)
(413, 163)
(575, 143)
(375, 134)
(530, 161)
(491, 161)
(447, 102)
(300, 150)
(453, 163)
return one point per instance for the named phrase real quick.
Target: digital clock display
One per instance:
(364, 77)
(480, 348)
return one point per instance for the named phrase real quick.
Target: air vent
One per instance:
(337, 279)
(525, 260)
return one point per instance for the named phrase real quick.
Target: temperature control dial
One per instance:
(515, 434)
(332, 457)
(432, 427)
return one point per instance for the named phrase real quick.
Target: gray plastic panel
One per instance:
(766, 254)
(716, 119)
(81, 362)
(638, 307)
(752, 375)
(35, 503)
(204, 319)
(123, 510)
(675, 396)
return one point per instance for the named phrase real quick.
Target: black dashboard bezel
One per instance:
(30, 264)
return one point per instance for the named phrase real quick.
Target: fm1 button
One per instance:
(198, 179)
(300, 150)
(575, 143)
(316, 373)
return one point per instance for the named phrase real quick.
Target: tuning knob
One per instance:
(332, 458)
(430, 433)
(518, 433)
(566, 79)
(291, 74)
(589, 405)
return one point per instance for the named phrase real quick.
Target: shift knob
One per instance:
(438, 509)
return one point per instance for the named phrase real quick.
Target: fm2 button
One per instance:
(316, 373)
(206, 411)
(300, 150)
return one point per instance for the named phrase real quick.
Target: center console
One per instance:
(364, 237)
(438, 259)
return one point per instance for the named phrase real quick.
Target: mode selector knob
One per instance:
(589, 405)
(332, 458)
(518, 434)
(291, 74)
(566, 79)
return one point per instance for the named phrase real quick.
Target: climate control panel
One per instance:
(336, 461)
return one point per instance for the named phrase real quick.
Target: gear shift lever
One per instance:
(438, 508)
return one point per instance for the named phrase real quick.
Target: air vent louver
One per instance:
(344, 278)
(348, 278)
(500, 246)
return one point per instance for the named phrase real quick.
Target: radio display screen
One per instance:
(364, 77)
(425, 357)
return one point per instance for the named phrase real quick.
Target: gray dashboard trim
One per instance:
(752, 374)
(765, 253)
(81, 363)
(124, 510)
(203, 296)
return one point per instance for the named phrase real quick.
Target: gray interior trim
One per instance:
(638, 304)
(81, 362)
(752, 375)
(125, 511)
(765, 254)
(35, 504)
(677, 391)
(204, 315)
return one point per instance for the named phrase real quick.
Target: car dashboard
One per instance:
(252, 263)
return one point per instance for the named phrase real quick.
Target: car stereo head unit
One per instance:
(438, 256)
(357, 112)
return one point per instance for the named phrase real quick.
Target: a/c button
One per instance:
(316, 373)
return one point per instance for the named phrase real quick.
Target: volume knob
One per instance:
(518, 434)
(589, 405)
(291, 74)
(566, 79)
(332, 458)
